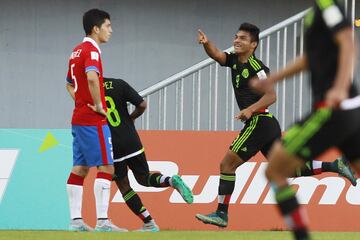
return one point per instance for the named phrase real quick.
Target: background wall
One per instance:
(151, 41)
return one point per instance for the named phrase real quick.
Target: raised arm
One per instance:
(210, 48)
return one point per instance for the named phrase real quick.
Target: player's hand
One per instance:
(244, 115)
(335, 96)
(261, 86)
(98, 109)
(202, 38)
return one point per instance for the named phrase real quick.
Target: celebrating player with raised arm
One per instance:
(261, 128)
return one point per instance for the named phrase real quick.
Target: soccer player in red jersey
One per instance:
(92, 145)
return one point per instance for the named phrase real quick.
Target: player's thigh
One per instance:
(96, 145)
(139, 165)
(121, 170)
(78, 156)
(281, 164)
(258, 133)
(319, 131)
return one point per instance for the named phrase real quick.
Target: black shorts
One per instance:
(137, 164)
(258, 134)
(322, 129)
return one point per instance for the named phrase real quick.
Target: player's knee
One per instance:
(142, 179)
(80, 170)
(107, 169)
(123, 184)
(230, 162)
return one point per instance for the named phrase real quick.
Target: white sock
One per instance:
(102, 196)
(75, 193)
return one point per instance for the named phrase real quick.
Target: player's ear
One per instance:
(96, 29)
(254, 44)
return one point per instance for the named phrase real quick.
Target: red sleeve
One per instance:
(92, 61)
(68, 77)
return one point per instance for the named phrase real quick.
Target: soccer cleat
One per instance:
(345, 170)
(79, 226)
(217, 218)
(149, 227)
(108, 226)
(182, 188)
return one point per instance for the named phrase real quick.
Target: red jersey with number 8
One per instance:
(84, 58)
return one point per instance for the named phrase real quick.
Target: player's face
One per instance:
(242, 42)
(105, 31)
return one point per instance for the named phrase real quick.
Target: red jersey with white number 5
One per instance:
(84, 58)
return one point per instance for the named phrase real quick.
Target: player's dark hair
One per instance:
(94, 17)
(252, 30)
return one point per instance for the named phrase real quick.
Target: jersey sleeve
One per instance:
(333, 14)
(231, 59)
(92, 61)
(132, 95)
(259, 68)
(68, 78)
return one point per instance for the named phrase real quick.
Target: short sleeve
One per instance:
(132, 95)
(68, 77)
(92, 61)
(231, 60)
(333, 14)
(259, 68)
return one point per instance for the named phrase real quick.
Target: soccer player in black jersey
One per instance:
(335, 117)
(129, 152)
(261, 128)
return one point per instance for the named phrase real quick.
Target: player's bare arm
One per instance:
(139, 110)
(70, 88)
(263, 86)
(266, 100)
(93, 82)
(339, 91)
(210, 48)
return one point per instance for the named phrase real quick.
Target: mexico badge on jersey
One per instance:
(94, 56)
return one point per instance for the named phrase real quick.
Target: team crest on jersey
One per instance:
(245, 73)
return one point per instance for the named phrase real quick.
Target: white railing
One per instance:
(201, 97)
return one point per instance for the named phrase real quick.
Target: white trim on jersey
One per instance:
(130, 155)
(332, 16)
(92, 41)
(261, 75)
(351, 103)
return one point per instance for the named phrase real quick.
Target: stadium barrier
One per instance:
(35, 164)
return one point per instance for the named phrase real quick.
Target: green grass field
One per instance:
(172, 235)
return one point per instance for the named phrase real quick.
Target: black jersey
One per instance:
(241, 73)
(322, 22)
(124, 136)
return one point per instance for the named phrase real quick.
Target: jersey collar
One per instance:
(92, 41)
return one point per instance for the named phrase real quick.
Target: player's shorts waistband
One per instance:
(261, 111)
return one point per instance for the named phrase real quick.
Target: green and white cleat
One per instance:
(345, 170)
(182, 188)
(149, 227)
(217, 218)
